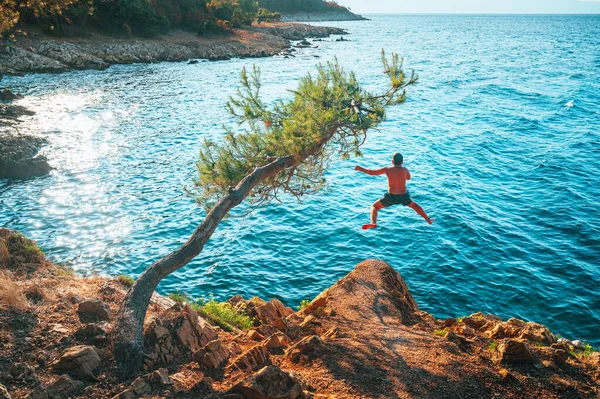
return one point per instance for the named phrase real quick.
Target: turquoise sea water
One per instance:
(510, 171)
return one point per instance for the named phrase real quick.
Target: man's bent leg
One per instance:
(375, 208)
(421, 212)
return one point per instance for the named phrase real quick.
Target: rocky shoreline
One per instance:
(340, 14)
(19, 158)
(43, 54)
(364, 337)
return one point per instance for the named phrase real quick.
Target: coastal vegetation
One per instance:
(222, 314)
(280, 149)
(145, 18)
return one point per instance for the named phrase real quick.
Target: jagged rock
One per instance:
(577, 345)
(464, 329)
(507, 377)
(19, 157)
(512, 351)
(449, 322)
(24, 372)
(252, 359)
(192, 62)
(39, 392)
(271, 311)
(175, 335)
(7, 95)
(269, 383)
(80, 361)
(537, 333)
(372, 281)
(213, 355)
(460, 341)
(94, 333)
(204, 386)
(70, 54)
(93, 311)
(18, 59)
(515, 328)
(161, 301)
(63, 388)
(255, 335)
(281, 324)
(4, 392)
(126, 394)
(278, 341)
(305, 347)
(561, 345)
(141, 386)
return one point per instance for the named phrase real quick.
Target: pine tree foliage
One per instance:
(329, 109)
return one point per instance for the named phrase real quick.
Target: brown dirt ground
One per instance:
(376, 344)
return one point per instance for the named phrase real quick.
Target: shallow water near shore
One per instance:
(511, 172)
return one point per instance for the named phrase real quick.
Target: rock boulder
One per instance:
(93, 311)
(175, 335)
(269, 383)
(512, 351)
(80, 361)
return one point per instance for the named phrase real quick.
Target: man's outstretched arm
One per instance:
(372, 172)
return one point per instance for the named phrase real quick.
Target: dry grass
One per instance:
(11, 294)
(4, 254)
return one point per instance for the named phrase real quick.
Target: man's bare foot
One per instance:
(430, 220)
(369, 226)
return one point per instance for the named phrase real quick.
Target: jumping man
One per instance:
(397, 193)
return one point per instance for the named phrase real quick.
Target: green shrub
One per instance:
(303, 304)
(19, 245)
(440, 333)
(588, 349)
(125, 280)
(180, 297)
(492, 346)
(223, 314)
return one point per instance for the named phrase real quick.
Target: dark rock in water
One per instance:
(192, 62)
(304, 43)
(341, 39)
(19, 159)
(219, 58)
(7, 95)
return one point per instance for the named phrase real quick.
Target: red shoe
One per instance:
(369, 226)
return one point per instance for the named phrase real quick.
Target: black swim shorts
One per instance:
(393, 199)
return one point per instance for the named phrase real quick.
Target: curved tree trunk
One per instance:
(128, 330)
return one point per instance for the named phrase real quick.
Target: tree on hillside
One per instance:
(284, 148)
(48, 13)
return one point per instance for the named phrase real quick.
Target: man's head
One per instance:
(398, 159)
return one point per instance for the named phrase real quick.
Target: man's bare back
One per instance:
(397, 176)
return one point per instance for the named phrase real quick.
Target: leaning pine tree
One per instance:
(285, 148)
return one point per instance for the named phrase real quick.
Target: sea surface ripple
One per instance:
(510, 171)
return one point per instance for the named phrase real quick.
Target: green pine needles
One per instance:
(328, 117)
